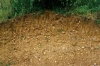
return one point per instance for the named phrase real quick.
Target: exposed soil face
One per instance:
(49, 40)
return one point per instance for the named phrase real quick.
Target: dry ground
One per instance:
(49, 39)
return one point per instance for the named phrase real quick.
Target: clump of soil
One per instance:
(49, 39)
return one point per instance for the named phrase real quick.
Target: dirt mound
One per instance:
(49, 39)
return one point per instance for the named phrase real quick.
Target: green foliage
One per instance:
(47, 39)
(95, 9)
(82, 10)
(13, 8)
(6, 64)
(1, 63)
(98, 21)
(78, 6)
(20, 7)
(5, 9)
(59, 30)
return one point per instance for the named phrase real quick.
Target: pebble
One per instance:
(44, 53)
(53, 27)
(83, 47)
(55, 61)
(73, 30)
(95, 63)
(63, 32)
(39, 59)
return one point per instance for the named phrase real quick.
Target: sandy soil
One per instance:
(49, 39)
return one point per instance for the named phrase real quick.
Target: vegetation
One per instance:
(6, 64)
(13, 8)
(5, 9)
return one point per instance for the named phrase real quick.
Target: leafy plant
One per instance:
(98, 21)
(8, 64)
(82, 9)
(59, 30)
(5, 10)
(13, 8)
(47, 39)
(1, 63)
(40, 45)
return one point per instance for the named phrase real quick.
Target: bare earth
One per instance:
(49, 39)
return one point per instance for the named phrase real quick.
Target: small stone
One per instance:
(53, 27)
(55, 61)
(28, 37)
(83, 59)
(63, 32)
(4, 33)
(41, 33)
(30, 60)
(35, 56)
(44, 53)
(24, 31)
(49, 36)
(94, 64)
(83, 47)
(39, 59)
(14, 33)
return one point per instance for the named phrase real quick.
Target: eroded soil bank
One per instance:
(49, 39)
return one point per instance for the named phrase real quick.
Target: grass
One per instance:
(12, 48)
(40, 45)
(3, 15)
(6, 64)
(86, 12)
(99, 47)
(47, 39)
(98, 21)
(5, 10)
(1, 63)
(82, 10)
(22, 37)
(59, 30)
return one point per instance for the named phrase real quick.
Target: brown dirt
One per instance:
(49, 40)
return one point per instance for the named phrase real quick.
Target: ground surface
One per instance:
(49, 40)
